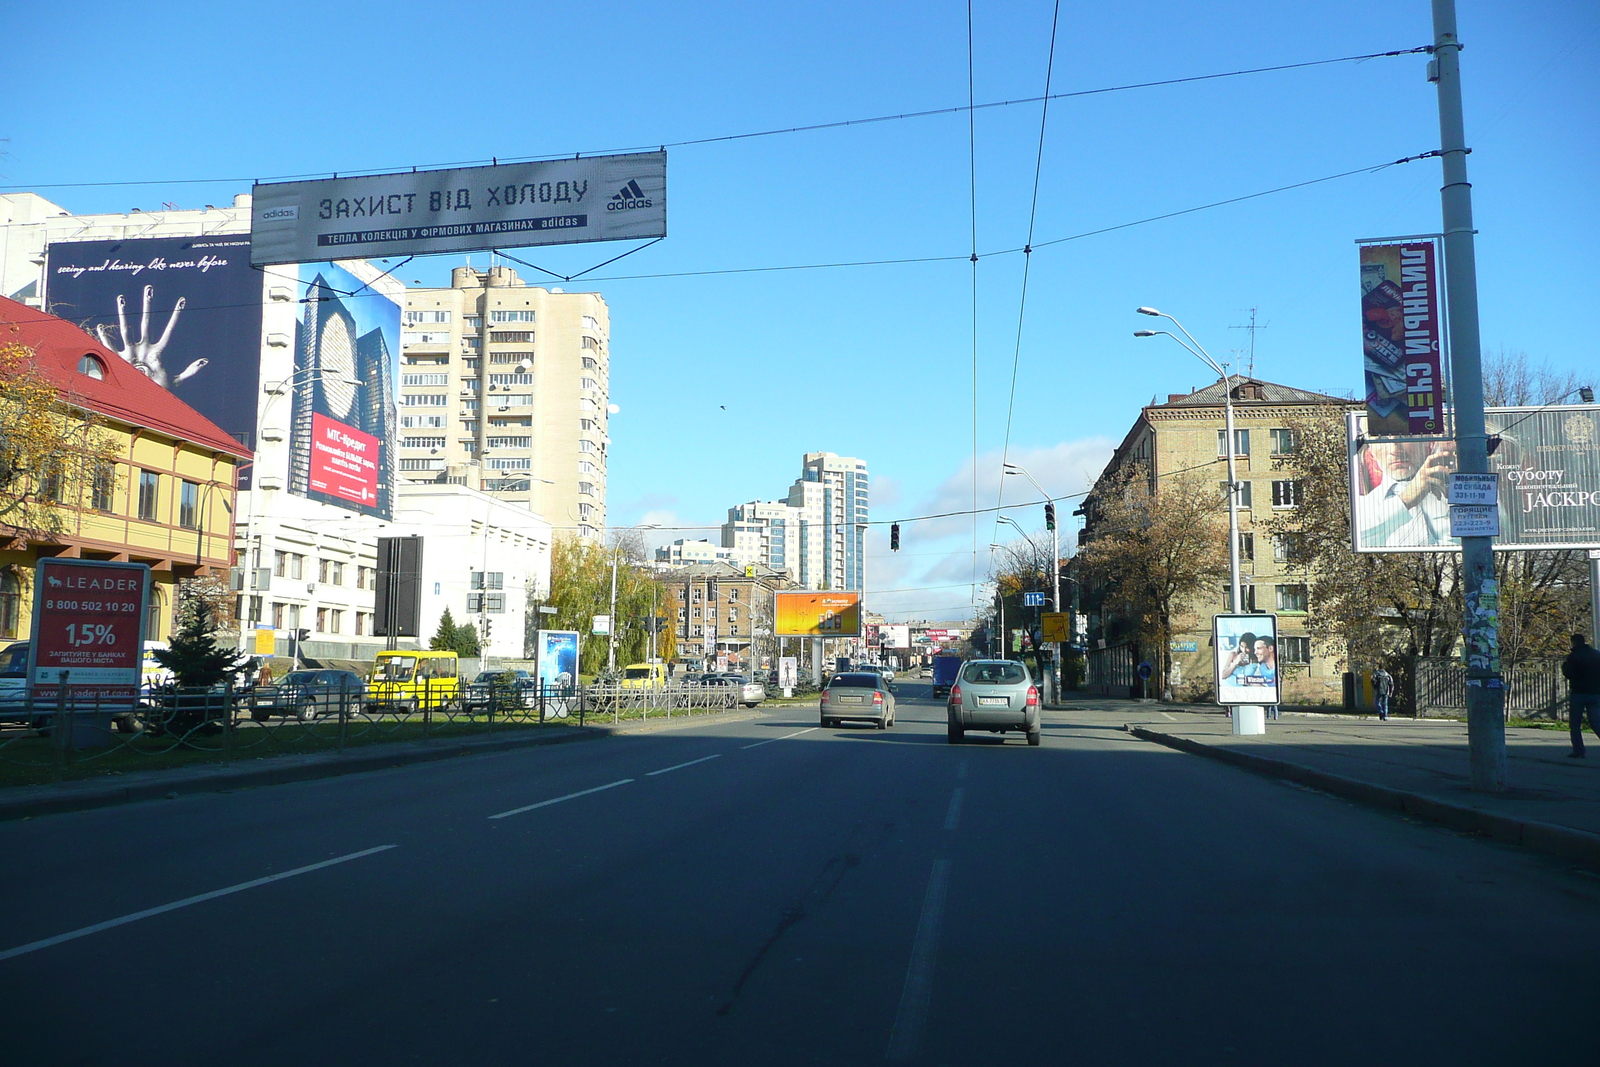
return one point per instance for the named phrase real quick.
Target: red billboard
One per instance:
(88, 622)
(1401, 330)
(344, 461)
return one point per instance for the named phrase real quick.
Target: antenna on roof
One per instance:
(1252, 327)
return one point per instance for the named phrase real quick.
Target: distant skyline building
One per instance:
(817, 532)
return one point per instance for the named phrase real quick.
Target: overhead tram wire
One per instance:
(970, 106)
(1027, 255)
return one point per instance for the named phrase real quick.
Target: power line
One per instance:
(969, 107)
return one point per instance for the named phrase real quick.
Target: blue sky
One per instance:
(724, 380)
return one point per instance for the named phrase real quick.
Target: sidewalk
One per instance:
(1552, 803)
(25, 802)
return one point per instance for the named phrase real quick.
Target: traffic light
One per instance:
(488, 625)
(1049, 516)
(301, 635)
(894, 537)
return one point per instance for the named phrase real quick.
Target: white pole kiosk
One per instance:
(1486, 725)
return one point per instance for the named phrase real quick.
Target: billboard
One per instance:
(1401, 331)
(1246, 650)
(88, 624)
(817, 615)
(342, 439)
(895, 636)
(556, 659)
(1547, 465)
(465, 209)
(184, 310)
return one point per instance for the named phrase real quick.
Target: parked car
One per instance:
(926, 672)
(751, 691)
(644, 676)
(14, 682)
(997, 695)
(858, 695)
(307, 695)
(511, 687)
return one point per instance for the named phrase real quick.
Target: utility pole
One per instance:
(1486, 726)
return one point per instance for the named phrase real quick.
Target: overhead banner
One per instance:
(467, 209)
(817, 615)
(1546, 471)
(1246, 649)
(1401, 332)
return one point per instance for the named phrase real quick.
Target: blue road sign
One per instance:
(1033, 600)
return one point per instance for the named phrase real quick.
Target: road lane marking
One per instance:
(913, 1012)
(34, 946)
(558, 800)
(961, 769)
(953, 816)
(1169, 718)
(785, 737)
(680, 766)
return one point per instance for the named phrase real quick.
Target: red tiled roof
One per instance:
(125, 394)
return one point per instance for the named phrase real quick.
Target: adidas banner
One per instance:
(467, 209)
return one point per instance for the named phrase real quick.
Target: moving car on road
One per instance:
(307, 695)
(995, 695)
(946, 669)
(858, 696)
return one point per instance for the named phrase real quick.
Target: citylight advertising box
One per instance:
(88, 628)
(556, 659)
(1246, 649)
(799, 614)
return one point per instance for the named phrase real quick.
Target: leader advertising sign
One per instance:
(414, 213)
(186, 311)
(88, 624)
(817, 615)
(1401, 331)
(1545, 474)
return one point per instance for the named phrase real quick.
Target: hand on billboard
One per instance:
(1433, 476)
(143, 353)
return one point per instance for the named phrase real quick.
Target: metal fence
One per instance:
(1533, 690)
(129, 731)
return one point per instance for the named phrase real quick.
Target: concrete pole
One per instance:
(1594, 596)
(611, 628)
(1486, 727)
(1233, 498)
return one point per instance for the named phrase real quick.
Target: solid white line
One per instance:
(913, 1011)
(961, 769)
(953, 816)
(680, 766)
(557, 800)
(785, 737)
(34, 946)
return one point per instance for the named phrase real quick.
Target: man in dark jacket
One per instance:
(1582, 671)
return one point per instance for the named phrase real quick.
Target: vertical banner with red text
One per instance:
(1401, 332)
(88, 624)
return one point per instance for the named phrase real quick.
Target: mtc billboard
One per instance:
(1548, 469)
(417, 213)
(184, 310)
(817, 615)
(342, 438)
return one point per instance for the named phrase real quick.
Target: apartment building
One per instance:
(505, 387)
(1187, 434)
(724, 609)
(817, 533)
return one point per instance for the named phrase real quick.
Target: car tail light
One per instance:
(955, 694)
(1033, 696)
(877, 698)
(824, 696)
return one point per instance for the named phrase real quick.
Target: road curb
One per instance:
(1564, 842)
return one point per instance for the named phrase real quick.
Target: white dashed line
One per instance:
(913, 1011)
(953, 816)
(785, 737)
(558, 800)
(34, 946)
(680, 766)
(1169, 718)
(961, 769)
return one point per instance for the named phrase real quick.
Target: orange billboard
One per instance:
(818, 615)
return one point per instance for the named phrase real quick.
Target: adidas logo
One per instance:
(628, 197)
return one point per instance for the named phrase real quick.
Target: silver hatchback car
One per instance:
(858, 695)
(995, 695)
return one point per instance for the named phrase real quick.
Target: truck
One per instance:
(945, 671)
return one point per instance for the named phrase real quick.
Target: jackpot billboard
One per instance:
(817, 615)
(1401, 331)
(1547, 465)
(464, 209)
(342, 437)
(186, 311)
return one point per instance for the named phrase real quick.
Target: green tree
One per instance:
(198, 665)
(580, 589)
(449, 637)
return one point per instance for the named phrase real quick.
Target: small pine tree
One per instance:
(444, 639)
(193, 656)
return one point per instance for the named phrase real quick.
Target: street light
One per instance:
(1195, 349)
(611, 630)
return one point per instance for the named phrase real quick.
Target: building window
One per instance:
(330, 571)
(591, 344)
(591, 323)
(52, 480)
(422, 422)
(512, 358)
(424, 379)
(1292, 598)
(297, 566)
(189, 506)
(322, 620)
(1243, 496)
(586, 489)
(149, 481)
(1289, 548)
(524, 464)
(1294, 650)
(590, 363)
(1286, 494)
(152, 616)
(512, 337)
(335, 621)
(361, 624)
(1241, 440)
(511, 316)
(90, 366)
(589, 383)
(1283, 443)
(422, 442)
(105, 481)
(10, 603)
(422, 464)
(510, 379)
(279, 615)
(509, 442)
(486, 603)
(425, 400)
(1247, 546)
(418, 337)
(585, 445)
(416, 318)
(488, 580)
(1247, 597)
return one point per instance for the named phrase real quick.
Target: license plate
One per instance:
(991, 702)
(851, 700)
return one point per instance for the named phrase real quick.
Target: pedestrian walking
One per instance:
(1382, 686)
(1582, 671)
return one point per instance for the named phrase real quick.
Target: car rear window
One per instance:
(994, 673)
(14, 662)
(854, 681)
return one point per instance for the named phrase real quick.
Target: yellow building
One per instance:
(162, 491)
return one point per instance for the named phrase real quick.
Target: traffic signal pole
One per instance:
(1486, 726)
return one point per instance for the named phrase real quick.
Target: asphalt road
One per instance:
(766, 892)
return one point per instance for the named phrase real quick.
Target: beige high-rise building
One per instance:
(504, 387)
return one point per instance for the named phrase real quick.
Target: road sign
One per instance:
(1033, 600)
(1053, 624)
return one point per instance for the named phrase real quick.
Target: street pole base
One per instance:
(1249, 719)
